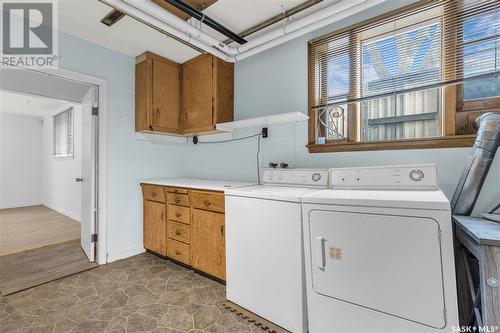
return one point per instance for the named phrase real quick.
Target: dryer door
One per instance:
(390, 264)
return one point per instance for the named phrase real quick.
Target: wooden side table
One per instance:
(477, 260)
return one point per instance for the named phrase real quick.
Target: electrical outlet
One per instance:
(264, 132)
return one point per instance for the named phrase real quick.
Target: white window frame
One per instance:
(70, 135)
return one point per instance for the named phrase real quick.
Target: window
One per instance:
(63, 134)
(408, 79)
(481, 40)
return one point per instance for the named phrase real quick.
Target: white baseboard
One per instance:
(64, 212)
(20, 204)
(125, 253)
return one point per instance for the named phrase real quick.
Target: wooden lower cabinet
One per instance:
(155, 227)
(187, 226)
(208, 246)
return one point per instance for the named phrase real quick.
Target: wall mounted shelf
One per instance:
(160, 138)
(163, 139)
(283, 118)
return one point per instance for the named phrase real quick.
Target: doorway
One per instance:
(71, 139)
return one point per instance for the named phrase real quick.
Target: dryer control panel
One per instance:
(411, 177)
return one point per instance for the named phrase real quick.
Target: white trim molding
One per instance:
(129, 251)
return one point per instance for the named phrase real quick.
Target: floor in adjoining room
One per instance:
(27, 269)
(143, 293)
(27, 228)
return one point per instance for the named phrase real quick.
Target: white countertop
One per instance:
(202, 184)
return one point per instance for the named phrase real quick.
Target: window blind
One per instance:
(435, 44)
(63, 134)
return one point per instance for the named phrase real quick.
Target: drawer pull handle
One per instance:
(177, 252)
(177, 201)
(178, 214)
(161, 216)
(177, 232)
(207, 203)
(153, 194)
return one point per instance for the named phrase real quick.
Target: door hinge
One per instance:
(93, 238)
(95, 111)
(439, 236)
(445, 315)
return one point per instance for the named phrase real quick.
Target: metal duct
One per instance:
(478, 164)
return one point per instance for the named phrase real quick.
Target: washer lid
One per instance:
(271, 192)
(419, 199)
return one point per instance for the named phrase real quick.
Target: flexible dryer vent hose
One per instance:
(478, 164)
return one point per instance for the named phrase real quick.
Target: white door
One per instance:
(390, 264)
(88, 177)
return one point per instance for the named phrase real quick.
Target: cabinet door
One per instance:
(197, 94)
(208, 246)
(155, 227)
(143, 95)
(166, 96)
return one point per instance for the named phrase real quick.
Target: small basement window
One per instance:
(414, 78)
(63, 134)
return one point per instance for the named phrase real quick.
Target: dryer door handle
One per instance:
(320, 252)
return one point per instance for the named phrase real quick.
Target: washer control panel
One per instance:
(302, 177)
(409, 177)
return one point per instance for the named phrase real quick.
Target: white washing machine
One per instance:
(379, 253)
(264, 252)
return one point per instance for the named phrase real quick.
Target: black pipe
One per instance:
(205, 19)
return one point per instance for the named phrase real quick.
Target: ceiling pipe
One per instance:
(319, 19)
(309, 28)
(143, 16)
(152, 26)
(179, 24)
(197, 15)
(328, 12)
(185, 31)
(275, 19)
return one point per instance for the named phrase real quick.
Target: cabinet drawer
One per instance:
(179, 231)
(178, 199)
(153, 192)
(178, 213)
(212, 201)
(176, 190)
(178, 251)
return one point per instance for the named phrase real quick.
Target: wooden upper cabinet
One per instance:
(207, 93)
(157, 95)
(182, 99)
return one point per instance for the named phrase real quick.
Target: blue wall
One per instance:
(129, 160)
(274, 82)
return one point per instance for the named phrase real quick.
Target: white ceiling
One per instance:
(30, 105)
(128, 36)
(82, 18)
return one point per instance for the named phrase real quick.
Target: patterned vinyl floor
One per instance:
(143, 293)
